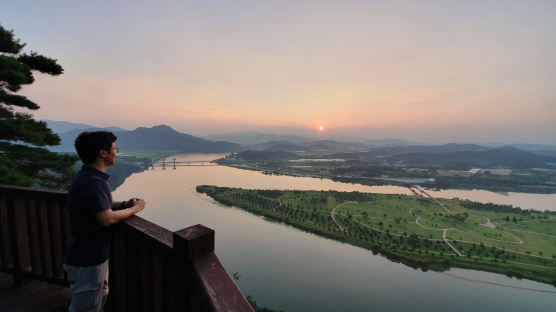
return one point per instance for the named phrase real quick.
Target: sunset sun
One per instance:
(321, 128)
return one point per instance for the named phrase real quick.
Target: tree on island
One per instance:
(23, 160)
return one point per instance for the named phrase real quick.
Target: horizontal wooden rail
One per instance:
(151, 268)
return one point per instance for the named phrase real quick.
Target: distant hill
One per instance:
(328, 145)
(164, 138)
(387, 142)
(540, 149)
(385, 151)
(280, 145)
(256, 137)
(433, 149)
(532, 147)
(455, 156)
(509, 157)
(447, 156)
(159, 138)
(65, 126)
(265, 155)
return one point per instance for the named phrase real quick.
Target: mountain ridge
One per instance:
(161, 138)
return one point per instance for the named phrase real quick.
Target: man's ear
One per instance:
(102, 153)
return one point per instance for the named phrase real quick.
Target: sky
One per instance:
(428, 71)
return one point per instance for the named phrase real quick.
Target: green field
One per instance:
(422, 232)
(150, 155)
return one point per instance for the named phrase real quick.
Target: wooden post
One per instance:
(190, 244)
(204, 284)
(14, 245)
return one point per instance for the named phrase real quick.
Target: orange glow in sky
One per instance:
(442, 72)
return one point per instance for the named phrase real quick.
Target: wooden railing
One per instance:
(151, 268)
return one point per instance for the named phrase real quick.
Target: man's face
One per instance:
(109, 157)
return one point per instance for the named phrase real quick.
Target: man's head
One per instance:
(91, 146)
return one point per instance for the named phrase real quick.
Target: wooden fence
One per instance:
(151, 268)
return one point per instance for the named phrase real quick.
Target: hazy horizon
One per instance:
(312, 134)
(434, 71)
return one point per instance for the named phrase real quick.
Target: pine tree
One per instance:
(23, 160)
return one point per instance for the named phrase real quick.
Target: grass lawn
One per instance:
(410, 229)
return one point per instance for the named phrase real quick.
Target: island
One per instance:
(419, 231)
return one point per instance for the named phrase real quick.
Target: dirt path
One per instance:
(536, 233)
(444, 231)
(436, 201)
(279, 201)
(439, 203)
(334, 212)
(519, 241)
(488, 224)
(424, 227)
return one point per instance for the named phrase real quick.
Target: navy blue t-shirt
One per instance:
(90, 242)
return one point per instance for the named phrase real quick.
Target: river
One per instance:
(285, 268)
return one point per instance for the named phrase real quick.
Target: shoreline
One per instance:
(494, 193)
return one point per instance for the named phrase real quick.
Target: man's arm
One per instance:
(119, 205)
(116, 205)
(109, 216)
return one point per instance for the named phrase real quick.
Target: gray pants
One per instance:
(89, 287)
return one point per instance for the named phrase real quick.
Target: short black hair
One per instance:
(89, 144)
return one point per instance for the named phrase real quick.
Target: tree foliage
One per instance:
(23, 160)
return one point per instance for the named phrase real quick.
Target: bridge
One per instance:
(418, 190)
(192, 163)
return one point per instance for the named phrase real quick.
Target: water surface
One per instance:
(292, 270)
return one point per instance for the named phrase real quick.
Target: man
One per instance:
(92, 211)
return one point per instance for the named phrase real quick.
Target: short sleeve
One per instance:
(97, 196)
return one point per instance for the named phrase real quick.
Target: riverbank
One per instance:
(128, 163)
(345, 174)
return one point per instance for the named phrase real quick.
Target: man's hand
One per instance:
(138, 204)
(109, 217)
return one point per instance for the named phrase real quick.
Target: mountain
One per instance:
(65, 126)
(280, 145)
(256, 137)
(164, 138)
(431, 149)
(308, 146)
(158, 138)
(540, 149)
(509, 157)
(387, 142)
(265, 155)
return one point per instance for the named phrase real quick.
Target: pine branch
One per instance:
(40, 165)
(24, 128)
(17, 100)
(41, 63)
(13, 73)
(7, 42)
